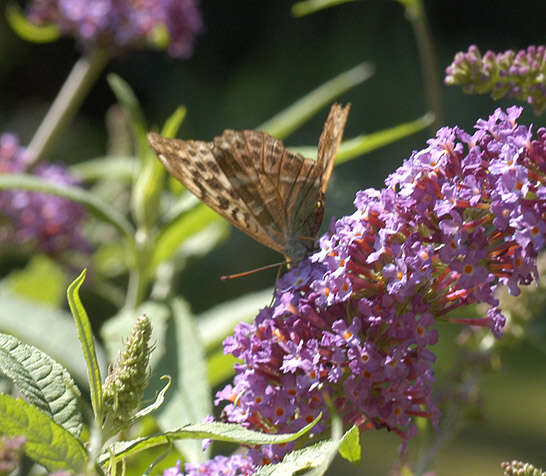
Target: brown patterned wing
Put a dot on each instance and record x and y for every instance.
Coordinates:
(207, 172)
(288, 184)
(251, 179)
(329, 141)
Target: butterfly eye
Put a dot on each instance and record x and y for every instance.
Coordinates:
(319, 204)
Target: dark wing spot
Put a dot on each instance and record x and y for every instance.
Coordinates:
(223, 202)
(202, 190)
(213, 166)
(214, 183)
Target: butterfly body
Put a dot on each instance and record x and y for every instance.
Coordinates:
(251, 179)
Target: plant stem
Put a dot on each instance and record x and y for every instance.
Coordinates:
(68, 100)
(416, 15)
(139, 272)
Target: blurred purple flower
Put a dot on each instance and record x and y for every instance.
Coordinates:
(235, 465)
(520, 75)
(46, 221)
(11, 452)
(123, 24)
(353, 324)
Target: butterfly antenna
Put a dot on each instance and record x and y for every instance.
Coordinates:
(252, 271)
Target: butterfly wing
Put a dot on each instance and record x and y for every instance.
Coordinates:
(329, 141)
(288, 184)
(252, 180)
(207, 172)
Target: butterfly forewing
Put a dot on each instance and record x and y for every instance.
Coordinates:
(251, 179)
(329, 141)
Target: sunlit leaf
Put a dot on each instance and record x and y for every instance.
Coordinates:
(218, 322)
(44, 327)
(189, 399)
(227, 432)
(350, 446)
(288, 120)
(27, 30)
(173, 123)
(46, 442)
(85, 335)
(300, 9)
(42, 280)
(111, 167)
(180, 229)
(220, 367)
(365, 143)
(43, 382)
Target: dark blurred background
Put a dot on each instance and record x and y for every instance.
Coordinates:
(255, 59)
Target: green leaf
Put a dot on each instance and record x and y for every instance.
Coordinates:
(220, 367)
(41, 280)
(28, 31)
(350, 446)
(146, 192)
(227, 432)
(109, 167)
(85, 335)
(365, 143)
(307, 458)
(94, 205)
(189, 401)
(285, 122)
(314, 459)
(44, 327)
(217, 323)
(44, 382)
(126, 97)
(179, 230)
(47, 443)
(300, 9)
(149, 180)
(173, 123)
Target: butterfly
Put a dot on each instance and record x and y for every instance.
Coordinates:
(252, 180)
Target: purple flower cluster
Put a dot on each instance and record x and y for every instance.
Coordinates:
(123, 24)
(235, 465)
(36, 219)
(520, 75)
(353, 324)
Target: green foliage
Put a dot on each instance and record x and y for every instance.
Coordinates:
(44, 327)
(366, 143)
(350, 446)
(314, 459)
(28, 31)
(287, 121)
(189, 401)
(300, 9)
(44, 383)
(91, 202)
(88, 344)
(227, 432)
(41, 280)
(47, 442)
(183, 227)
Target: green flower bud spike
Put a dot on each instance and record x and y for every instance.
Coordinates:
(124, 386)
